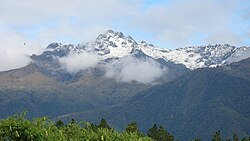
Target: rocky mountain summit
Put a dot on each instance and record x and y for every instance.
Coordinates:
(113, 45)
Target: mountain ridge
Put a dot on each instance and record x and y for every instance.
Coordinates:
(115, 45)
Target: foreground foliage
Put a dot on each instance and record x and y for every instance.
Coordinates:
(19, 128)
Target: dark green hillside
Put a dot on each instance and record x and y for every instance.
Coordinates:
(40, 103)
(239, 69)
(29, 88)
(195, 105)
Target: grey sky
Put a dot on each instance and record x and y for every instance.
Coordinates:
(166, 23)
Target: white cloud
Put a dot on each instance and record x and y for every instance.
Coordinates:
(70, 33)
(130, 69)
(15, 50)
(63, 21)
(225, 37)
(126, 69)
(179, 22)
(75, 62)
(12, 59)
(174, 22)
(36, 11)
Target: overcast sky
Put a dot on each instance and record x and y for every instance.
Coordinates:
(166, 23)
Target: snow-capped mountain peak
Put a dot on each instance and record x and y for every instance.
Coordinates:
(112, 44)
(201, 56)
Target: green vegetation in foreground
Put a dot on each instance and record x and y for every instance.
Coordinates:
(19, 128)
